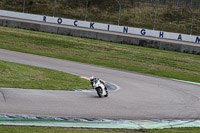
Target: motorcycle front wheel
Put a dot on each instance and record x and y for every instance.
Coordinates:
(99, 91)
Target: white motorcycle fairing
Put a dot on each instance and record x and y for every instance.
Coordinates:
(100, 87)
(99, 84)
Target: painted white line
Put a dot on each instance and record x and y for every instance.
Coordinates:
(52, 121)
(189, 82)
(118, 88)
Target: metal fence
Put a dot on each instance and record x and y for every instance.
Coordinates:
(52, 8)
(178, 3)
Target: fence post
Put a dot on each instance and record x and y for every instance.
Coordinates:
(199, 6)
(155, 4)
(190, 7)
(178, 3)
(24, 5)
(54, 8)
(119, 11)
(86, 10)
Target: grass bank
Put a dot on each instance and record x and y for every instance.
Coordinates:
(121, 56)
(15, 129)
(14, 75)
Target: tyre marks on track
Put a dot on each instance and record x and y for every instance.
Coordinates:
(2, 96)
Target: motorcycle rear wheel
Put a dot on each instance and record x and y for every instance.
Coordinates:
(106, 94)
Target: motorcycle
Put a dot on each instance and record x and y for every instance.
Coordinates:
(100, 87)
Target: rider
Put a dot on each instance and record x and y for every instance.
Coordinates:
(93, 79)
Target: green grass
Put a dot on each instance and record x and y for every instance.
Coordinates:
(121, 56)
(14, 75)
(17, 129)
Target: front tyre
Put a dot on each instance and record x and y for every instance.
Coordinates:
(99, 91)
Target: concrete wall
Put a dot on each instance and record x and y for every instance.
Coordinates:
(102, 26)
(94, 34)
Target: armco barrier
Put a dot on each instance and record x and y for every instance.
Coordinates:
(1, 22)
(101, 35)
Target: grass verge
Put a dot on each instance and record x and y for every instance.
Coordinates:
(14, 75)
(19, 129)
(126, 57)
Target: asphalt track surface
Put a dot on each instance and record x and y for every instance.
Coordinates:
(140, 96)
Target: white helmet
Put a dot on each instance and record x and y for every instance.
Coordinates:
(92, 78)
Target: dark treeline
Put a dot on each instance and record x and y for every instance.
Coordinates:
(178, 3)
(16, 5)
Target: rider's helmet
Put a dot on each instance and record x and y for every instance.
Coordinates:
(91, 78)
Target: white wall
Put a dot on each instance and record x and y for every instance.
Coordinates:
(101, 26)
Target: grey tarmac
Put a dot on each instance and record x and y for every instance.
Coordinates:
(140, 97)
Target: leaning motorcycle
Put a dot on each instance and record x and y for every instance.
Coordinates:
(100, 87)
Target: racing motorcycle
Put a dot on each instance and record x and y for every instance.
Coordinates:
(99, 86)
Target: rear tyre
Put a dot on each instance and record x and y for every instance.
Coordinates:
(106, 94)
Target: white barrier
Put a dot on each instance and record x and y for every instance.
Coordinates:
(101, 26)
